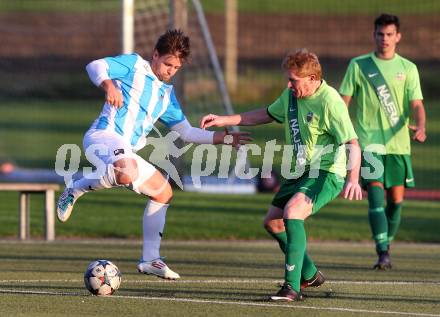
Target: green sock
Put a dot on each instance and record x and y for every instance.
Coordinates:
(393, 212)
(281, 238)
(308, 269)
(377, 217)
(295, 250)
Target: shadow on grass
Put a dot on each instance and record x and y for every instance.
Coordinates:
(364, 296)
(222, 293)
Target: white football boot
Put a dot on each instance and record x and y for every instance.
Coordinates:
(65, 204)
(157, 267)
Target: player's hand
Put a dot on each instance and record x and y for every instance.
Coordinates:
(112, 95)
(236, 139)
(114, 98)
(212, 120)
(352, 190)
(419, 133)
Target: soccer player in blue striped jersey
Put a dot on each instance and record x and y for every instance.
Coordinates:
(138, 94)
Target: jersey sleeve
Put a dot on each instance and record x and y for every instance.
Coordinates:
(413, 89)
(121, 65)
(277, 110)
(339, 122)
(348, 85)
(173, 114)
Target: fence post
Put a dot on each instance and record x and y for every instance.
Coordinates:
(231, 30)
(127, 26)
(24, 216)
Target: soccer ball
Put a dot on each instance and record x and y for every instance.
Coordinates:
(102, 278)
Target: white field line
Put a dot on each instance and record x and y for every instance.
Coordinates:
(250, 304)
(137, 242)
(229, 281)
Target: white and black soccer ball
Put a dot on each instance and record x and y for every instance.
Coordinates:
(102, 278)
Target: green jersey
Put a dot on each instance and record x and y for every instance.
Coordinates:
(373, 120)
(321, 124)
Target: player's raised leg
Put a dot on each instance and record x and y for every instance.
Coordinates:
(81, 186)
(115, 166)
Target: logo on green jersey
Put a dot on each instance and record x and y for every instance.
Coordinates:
(295, 132)
(400, 76)
(388, 104)
(309, 117)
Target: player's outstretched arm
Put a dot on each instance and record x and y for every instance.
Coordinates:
(192, 134)
(352, 189)
(255, 117)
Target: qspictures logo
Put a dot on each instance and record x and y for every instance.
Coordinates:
(207, 159)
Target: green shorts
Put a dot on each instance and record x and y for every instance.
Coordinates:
(320, 190)
(397, 170)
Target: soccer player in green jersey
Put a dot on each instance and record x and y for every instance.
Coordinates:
(317, 127)
(386, 89)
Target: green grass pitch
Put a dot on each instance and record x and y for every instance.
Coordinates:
(218, 279)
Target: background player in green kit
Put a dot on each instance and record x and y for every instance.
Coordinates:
(386, 89)
(317, 125)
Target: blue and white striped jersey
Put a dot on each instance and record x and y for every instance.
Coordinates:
(146, 99)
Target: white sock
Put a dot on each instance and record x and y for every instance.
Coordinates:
(85, 184)
(153, 224)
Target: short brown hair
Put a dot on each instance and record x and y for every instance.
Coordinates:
(174, 42)
(304, 63)
(386, 19)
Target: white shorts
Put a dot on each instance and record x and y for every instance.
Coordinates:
(107, 147)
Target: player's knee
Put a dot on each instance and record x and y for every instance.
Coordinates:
(377, 184)
(273, 225)
(297, 212)
(266, 225)
(396, 201)
(298, 207)
(164, 195)
(123, 179)
(126, 171)
(395, 196)
(291, 213)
